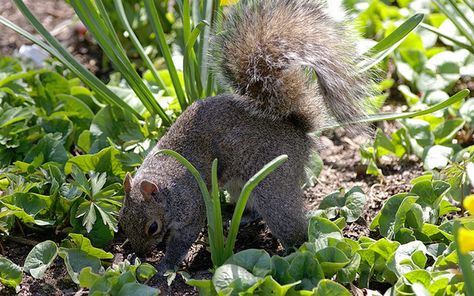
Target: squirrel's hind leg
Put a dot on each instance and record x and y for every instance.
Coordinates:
(281, 206)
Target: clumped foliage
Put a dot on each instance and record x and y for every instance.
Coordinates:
(67, 140)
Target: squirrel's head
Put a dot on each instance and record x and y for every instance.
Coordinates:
(142, 217)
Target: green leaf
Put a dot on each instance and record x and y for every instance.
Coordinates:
(437, 157)
(10, 273)
(233, 276)
(86, 210)
(80, 242)
(268, 286)
(391, 42)
(76, 260)
(446, 131)
(441, 72)
(349, 272)
(87, 278)
(382, 144)
(313, 169)
(255, 261)
(321, 228)
(405, 235)
(305, 268)
(145, 271)
(51, 147)
(408, 257)
(105, 160)
(394, 213)
(351, 204)
(136, 289)
(415, 217)
(430, 193)
(328, 287)
(204, 287)
(420, 134)
(40, 258)
(331, 260)
(446, 208)
(29, 207)
(126, 128)
(435, 234)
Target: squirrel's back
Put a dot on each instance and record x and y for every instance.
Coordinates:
(267, 51)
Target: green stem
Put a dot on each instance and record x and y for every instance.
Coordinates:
(454, 40)
(244, 196)
(218, 247)
(165, 50)
(455, 21)
(138, 46)
(392, 116)
(56, 50)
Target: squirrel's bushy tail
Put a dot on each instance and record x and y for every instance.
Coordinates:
(269, 50)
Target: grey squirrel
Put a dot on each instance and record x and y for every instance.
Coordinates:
(267, 53)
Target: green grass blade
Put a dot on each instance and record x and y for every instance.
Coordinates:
(91, 19)
(387, 45)
(95, 17)
(214, 225)
(399, 34)
(21, 75)
(454, 40)
(59, 52)
(392, 116)
(192, 79)
(469, 4)
(207, 16)
(244, 196)
(141, 51)
(463, 16)
(455, 21)
(165, 50)
(217, 216)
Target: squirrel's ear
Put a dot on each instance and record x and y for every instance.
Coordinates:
(147, 188)
(127, 183)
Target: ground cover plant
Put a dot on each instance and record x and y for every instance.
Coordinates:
(63, 162)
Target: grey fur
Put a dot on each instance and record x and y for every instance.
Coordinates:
(260, 49)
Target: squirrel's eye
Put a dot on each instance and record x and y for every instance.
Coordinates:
(153, 228)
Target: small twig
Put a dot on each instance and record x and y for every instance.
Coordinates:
(21, 240)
